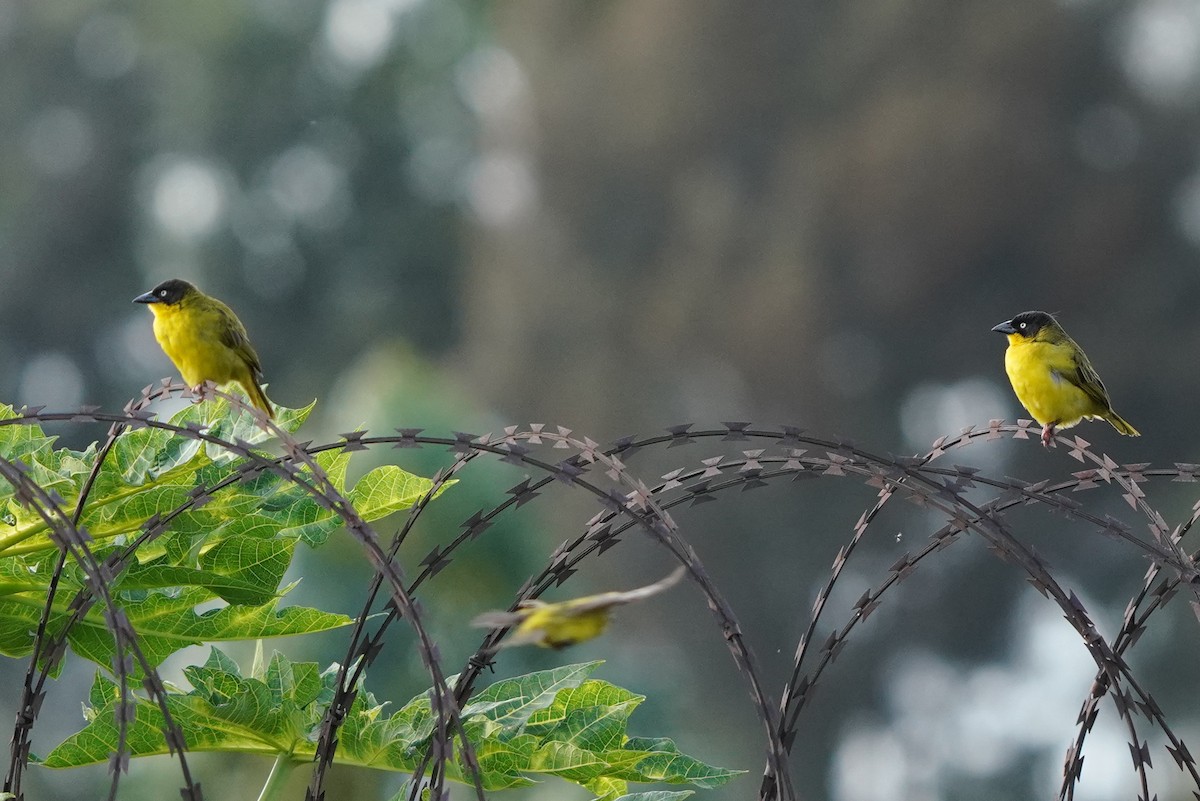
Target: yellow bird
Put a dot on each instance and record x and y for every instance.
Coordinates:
(205, 339)
(1052, 376)
(564, 623)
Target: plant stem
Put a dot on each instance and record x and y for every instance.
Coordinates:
(277, 778)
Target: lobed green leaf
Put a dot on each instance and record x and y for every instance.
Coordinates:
(230, 546)
(538, 724)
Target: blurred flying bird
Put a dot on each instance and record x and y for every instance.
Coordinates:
(557, 625)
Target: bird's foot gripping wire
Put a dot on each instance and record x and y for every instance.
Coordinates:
(202, 391)
(1047, 435)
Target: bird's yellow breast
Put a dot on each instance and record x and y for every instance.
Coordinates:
(1038, 373)
(191, 338)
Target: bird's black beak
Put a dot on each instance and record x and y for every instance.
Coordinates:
(1005, 327)
(146, 297)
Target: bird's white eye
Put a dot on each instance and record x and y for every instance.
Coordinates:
(1022, 325)
(162, 293)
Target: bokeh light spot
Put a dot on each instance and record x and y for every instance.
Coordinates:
(59, 141)
(187, 198)
(502, 189)
(307, 186)
(1107, 137)
(51, 379)
(933, 409)
(358, 32)
(1161, 48)
(106, 47)
(490, 80)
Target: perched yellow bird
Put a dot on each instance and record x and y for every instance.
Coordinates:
(1052, 376)
(564, 623)
(205, 339)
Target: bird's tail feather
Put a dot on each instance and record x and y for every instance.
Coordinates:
(260, 401)
(1121, 425)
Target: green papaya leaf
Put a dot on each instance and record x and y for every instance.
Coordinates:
(226, 536)
(520, 728)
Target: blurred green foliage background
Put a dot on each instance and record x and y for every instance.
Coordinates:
(618, 216)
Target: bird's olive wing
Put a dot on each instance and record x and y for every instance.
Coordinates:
(590, 603)
(1087, 379)
(497, 620)
(577, 607)
(233, 335)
